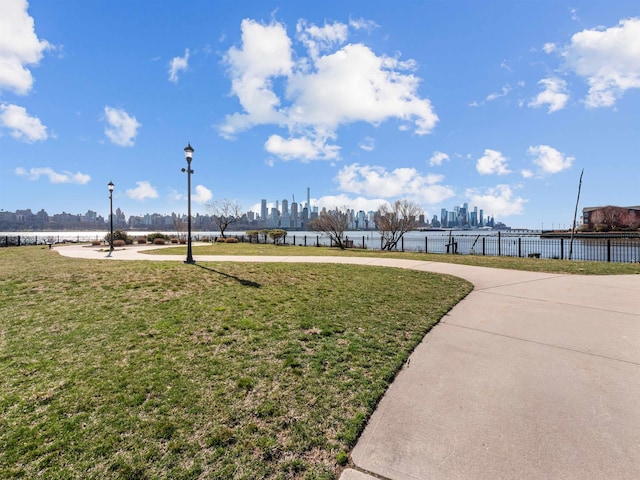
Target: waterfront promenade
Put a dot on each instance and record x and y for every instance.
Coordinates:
(532, 375)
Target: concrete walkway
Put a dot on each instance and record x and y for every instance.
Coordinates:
(532, 376)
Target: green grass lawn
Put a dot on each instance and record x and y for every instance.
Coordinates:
(514, 263)
(216, 370)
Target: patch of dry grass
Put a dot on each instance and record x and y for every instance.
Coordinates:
(167, 370)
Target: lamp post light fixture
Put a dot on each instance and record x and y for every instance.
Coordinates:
(111, 187)
(188, 153)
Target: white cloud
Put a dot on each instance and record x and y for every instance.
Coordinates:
(202, 195)
(122, 128)
(437, 158)
(302, 148)
(493, 162)
(554, 94)
(506, 66)
(321, 92)
(265, 54)
(401, 182)
(178, 64)
(354, 84)
(362, 24)
(356, 203)
(22, 126)
(368, 144)
(54, 177)
(19, 46)
(549, 159)
(317, 39)
(549, 47)
(609, 60)
(143, 191)
(526, 173)
(494, 96)
(499, 201)
(574, 14)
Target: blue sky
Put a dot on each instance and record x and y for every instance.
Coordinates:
(499, 104)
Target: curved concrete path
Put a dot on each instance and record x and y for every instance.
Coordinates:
(532, 376)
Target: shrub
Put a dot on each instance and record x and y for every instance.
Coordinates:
(231, 240)
(220, 240)
(152, 236)
(142, 240)
(117, 235)
(205, 239)
(95, 243)
(119, 243)
(159, 241)
(278, 235)
(174, 240)
(183, 241)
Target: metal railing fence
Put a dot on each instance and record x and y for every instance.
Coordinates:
(602, 249)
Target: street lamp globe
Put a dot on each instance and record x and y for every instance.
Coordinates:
(188, 151)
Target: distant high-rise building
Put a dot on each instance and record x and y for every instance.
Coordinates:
(263, 210)
(308, 198)
(273, 219)
(294, 215)
(444, 217)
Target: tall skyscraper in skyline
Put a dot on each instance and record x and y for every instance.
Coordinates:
(263, 209)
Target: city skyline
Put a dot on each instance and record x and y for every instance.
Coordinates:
(278, 215)
(499, 105)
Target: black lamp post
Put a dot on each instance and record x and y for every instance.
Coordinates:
(188, 153)
(111, 187)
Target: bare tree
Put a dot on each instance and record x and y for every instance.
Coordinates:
(607, 217)
(334, 223)
(630, 218)
(225, 213)
(394, 220)
(180, 227)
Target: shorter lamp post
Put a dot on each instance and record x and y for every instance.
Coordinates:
(111, 187)
(188, 153)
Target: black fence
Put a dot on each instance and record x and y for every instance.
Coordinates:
(23, 240)
(603, 249)
(624, 250)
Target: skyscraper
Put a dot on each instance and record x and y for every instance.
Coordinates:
(294, 215)
(263, 209)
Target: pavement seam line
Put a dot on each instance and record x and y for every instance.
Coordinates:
(485, 290)
(533, 280)
(543, 344)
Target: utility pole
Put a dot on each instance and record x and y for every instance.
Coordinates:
(575, 214)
